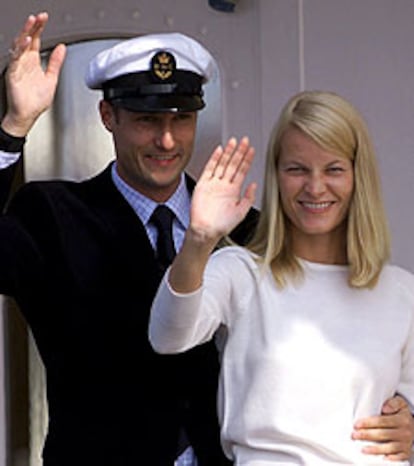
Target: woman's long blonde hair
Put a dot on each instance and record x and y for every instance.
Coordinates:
(334, 124)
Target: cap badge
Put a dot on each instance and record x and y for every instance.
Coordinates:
(163, 65)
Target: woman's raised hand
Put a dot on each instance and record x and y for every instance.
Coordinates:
(219, 202)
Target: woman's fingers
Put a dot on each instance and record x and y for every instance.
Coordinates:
(231, 160)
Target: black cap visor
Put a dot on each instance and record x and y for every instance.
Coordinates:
(140, 92)
(160, 103)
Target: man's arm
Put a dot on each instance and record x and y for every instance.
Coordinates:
(30, 90)
(393, 431)
(10, 151)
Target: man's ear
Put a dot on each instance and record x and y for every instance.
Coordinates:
(107, 114)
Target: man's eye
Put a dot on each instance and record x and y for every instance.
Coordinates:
(182, 116)
(146, 119)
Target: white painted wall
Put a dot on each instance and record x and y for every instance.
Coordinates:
(268, 50)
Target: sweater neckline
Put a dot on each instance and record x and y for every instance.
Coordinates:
(321, 267)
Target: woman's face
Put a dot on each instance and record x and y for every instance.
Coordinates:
(316, 188)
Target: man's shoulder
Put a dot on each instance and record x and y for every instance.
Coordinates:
(55, 192)
(100, 179)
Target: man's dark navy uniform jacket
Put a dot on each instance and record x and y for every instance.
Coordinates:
(79, 263)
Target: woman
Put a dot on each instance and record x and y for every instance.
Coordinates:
(317, 329)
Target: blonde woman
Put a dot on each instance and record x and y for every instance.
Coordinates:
(317, 328)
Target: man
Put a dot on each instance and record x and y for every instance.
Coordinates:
(80, 258)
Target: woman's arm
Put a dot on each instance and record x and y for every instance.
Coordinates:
(217, 206)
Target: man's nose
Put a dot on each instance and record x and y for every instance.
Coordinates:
(165, 138)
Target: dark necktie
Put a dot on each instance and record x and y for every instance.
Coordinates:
(162, 218)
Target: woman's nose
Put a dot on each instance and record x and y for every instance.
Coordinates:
(315, 184)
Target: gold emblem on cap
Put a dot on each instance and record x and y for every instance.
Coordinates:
(163, 65)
